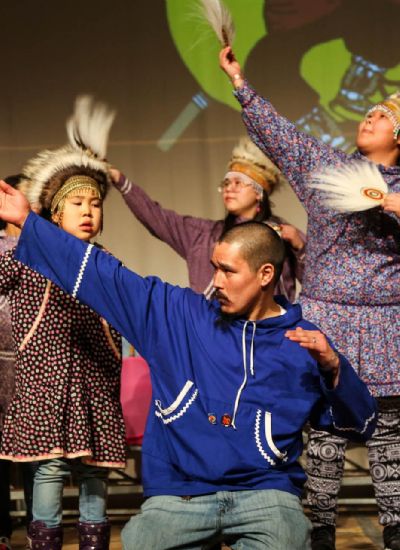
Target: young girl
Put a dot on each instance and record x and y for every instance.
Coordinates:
(8, 239)
(351, 289)
(250, 180)
(66, 411)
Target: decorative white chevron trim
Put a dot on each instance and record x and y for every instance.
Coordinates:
(258, 439)
(180, 413)
(352, 429)
(82, 270)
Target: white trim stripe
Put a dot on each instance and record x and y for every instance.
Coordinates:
(126, 187)
(209, 290)
(107, 332)
(268, 436)
(258, 440)
(7, 355)
(180, 413)
(39, 317)
(352, 429)
(177, 402)
(82, 270)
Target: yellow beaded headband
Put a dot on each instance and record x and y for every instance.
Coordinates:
(72, 184)
(251, 172)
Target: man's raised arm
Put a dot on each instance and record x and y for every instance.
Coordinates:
(129, 302)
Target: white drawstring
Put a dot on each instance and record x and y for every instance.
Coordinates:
(243, 384)
(208, 292)
(252, 350)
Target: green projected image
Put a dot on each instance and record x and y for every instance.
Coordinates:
(312, 60)
(199, 47)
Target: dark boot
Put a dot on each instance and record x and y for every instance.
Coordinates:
(323, 538)
(94, 536)
(391, 537)
(41, 537)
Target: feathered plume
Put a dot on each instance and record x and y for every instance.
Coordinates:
(352, 187)
(220, 20)
(88, 130)
(89, 126)
(247, 152)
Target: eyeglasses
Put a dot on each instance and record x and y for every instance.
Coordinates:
(235, 185)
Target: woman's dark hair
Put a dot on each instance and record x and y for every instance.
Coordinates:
(13, 181)
(264, 213)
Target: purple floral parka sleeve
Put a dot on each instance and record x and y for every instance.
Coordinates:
(294, 152)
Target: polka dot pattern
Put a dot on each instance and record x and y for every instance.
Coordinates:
(6, 343)
(66, 400)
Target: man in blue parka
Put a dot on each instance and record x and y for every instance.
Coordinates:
(234, 381)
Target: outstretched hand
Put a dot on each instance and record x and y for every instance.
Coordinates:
(318, 347)
(14, 206)
(231, 67)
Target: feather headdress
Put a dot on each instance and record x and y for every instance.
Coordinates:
(219, 18)
(89, 126)
(88, 130)
(249, 159)
(352, 187)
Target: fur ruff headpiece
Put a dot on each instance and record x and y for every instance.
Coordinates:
(391, 108)
(85, 155)
(250, 160)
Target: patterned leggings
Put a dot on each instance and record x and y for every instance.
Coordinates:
(325, 465)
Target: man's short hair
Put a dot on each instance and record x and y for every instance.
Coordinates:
(259, 245)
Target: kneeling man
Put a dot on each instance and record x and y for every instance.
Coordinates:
(234, 381)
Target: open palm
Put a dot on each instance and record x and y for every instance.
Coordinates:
(14, 207)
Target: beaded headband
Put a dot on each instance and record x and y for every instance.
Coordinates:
(251, 172)
(248, 159)
(246, 179)
(391, 108)
(72, 184)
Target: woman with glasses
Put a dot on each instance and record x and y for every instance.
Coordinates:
(250, 180)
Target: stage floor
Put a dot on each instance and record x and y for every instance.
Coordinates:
(355, 532)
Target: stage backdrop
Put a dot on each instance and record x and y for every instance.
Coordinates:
(321, 63)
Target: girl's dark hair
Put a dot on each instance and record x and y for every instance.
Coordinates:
(13, 181)
(264, 213)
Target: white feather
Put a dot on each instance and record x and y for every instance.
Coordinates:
(89, 126)
(351, 187)
(220, 20)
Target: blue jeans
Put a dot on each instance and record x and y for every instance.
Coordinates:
(48, 489)
(248, 520)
